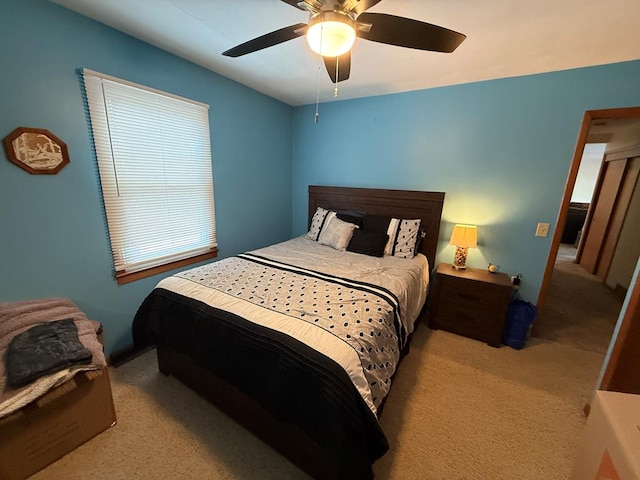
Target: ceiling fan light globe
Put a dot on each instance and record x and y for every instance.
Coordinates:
(331, 38)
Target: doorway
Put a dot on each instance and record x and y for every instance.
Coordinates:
(631, 319)
(591, 118)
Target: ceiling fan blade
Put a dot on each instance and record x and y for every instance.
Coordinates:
(267, 40)
(306, 5)
(406, 32)
(362, 5)
(293, 3)
(344, 66)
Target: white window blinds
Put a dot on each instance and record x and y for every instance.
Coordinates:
(154, 159)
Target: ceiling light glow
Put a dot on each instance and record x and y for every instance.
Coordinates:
(331, 34)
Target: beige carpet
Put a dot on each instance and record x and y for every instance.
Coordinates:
(580, 310)
(458, 409)
(462, 410)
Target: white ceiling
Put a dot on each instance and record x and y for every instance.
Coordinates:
(505, 38)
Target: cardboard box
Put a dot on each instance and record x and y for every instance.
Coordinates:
(63, 419)
(610, 448)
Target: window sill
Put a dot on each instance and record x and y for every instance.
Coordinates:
(124, 277)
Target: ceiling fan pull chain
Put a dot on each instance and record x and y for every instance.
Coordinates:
(320, 60)
(335, 89)
(317, 114)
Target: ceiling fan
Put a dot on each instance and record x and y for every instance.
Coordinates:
(334, 24)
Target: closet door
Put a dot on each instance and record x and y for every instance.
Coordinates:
(604, 204)
(618, 217)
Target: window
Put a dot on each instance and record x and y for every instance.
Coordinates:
(154, 160)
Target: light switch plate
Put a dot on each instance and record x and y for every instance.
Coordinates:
(542, 230)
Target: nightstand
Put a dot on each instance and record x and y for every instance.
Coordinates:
(470, 302)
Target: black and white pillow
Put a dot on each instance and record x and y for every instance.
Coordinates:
(404, 235)
(321, 217)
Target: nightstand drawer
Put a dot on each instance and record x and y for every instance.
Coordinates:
(479, 324)
(469, 292)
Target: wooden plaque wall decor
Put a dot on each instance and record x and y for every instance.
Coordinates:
(36, 150)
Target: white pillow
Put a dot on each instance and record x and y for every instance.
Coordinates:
(337, 233)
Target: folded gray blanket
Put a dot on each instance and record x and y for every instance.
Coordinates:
(44, 349)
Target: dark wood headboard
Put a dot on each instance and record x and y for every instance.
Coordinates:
(395, 203)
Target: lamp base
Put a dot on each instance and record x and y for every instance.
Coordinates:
(460, 258)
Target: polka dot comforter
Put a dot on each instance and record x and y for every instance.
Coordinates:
(356, 309)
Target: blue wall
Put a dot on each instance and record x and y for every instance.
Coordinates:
(501, 150)
(53, 239)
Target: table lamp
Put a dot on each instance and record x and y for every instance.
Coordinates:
(463, 237)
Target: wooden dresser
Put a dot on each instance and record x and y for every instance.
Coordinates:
(470, 302)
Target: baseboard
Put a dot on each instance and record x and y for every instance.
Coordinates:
(126, 354)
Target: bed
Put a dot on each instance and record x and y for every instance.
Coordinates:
(299, 341)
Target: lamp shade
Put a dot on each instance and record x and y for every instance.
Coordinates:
(331, 34)
(465, 236)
